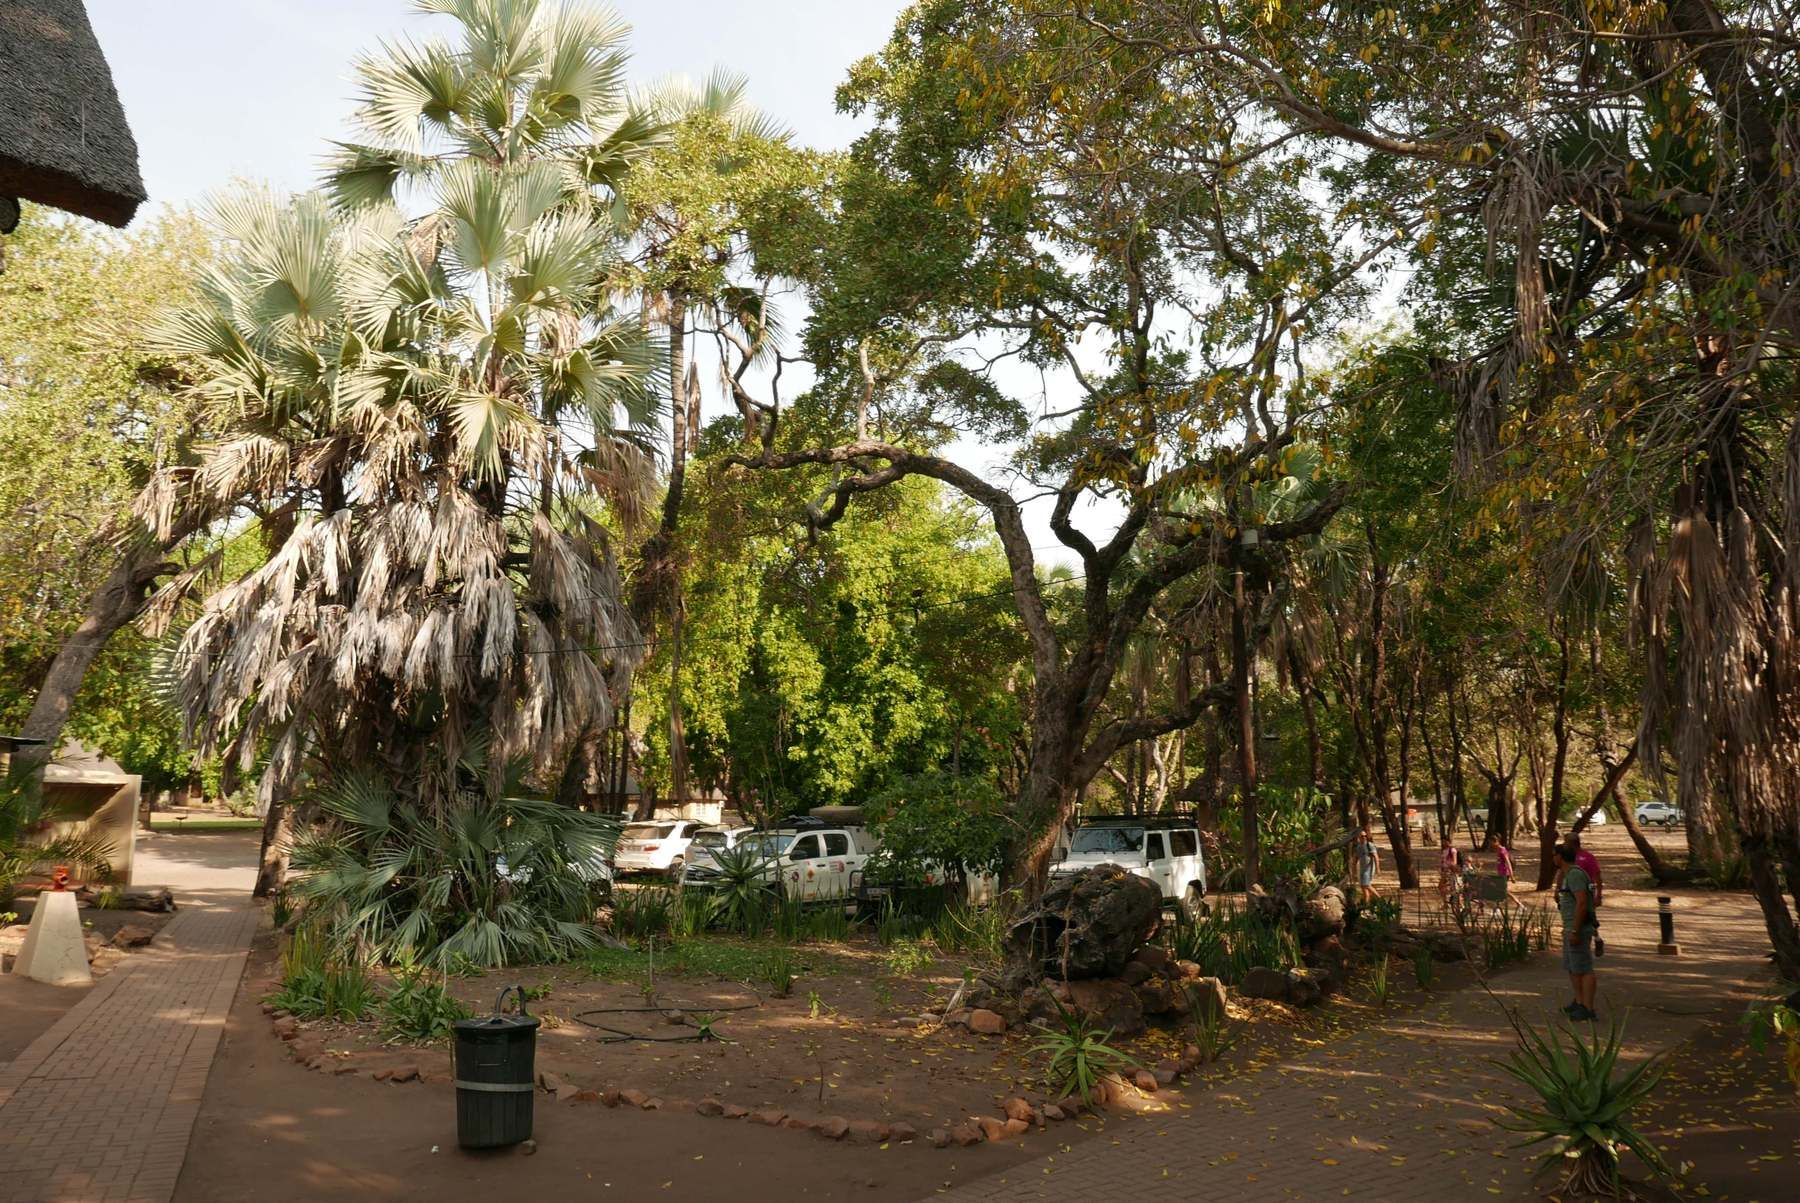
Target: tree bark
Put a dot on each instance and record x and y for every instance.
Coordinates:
(277, 839)
(1246, 724)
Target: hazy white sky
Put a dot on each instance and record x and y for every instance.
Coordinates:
(220, 89)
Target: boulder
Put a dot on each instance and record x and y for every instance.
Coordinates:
(1323, 914)
(966, 1134)
(1187, 971)
(1262, 982)
(868, 1131)
(1157, 996)
(902, 1133)
(986, 1023)
(834, 1128)
(1018, 1108)
(1307, 987)
(733, 1111)
(939, 1138)
(633, 1098)
(1110, 1003)
(991, 1128)
(1136, 973)
(1086, 925)
(709, 1107)
(133, 935)
(1206, 995)
(1155, 956)
(1145, 1081)
(1014, 1127)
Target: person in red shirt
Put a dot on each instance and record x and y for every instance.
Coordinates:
(1588, 863)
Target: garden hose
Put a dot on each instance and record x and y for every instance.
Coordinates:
(612, 1035)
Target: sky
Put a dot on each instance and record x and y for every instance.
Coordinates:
(219, 91)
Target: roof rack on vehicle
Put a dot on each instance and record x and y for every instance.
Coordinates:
(1136, 821)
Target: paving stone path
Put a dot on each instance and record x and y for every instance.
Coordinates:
(100, 1107)
(1403, 1110)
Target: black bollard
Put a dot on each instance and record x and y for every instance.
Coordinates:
(1665, 915)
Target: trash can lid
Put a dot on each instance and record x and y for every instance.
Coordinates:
(497, 1023)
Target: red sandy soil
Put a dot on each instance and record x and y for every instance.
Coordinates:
(272, 1130)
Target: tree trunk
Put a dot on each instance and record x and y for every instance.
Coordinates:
(1765, 883)
(118, 600)
(277, 838)
(1246, 722)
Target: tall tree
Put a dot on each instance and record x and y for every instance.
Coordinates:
(988, 218)
(427, 418)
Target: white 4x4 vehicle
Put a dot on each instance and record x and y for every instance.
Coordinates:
(1658, 813)
(1164, 852)
(813, 862)
(654, 847)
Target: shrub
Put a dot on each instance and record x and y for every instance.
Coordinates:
(777, 972)
(1381, 986)
(1213, 1035)
(743, 888)
(419, 1010)
(1424, 967)
(972, 930)
(909, 957)
(1079, 1053)
(639, 914)
(1227, 942)
(1582, 1106)
(491, 874)
(318, 985)
(1779, 1020)
(828, 923)
(691, 913)
(788, 917)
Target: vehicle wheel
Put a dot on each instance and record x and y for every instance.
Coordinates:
(1193, 902)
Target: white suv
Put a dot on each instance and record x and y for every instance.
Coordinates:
(1163, 852)
(654, 847)
(1658, 813)
(709, 840)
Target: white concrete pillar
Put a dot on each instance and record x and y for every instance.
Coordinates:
(54, 951)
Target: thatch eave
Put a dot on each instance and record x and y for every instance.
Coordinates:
(64, 141)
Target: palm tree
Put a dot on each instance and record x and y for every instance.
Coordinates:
(433, 420)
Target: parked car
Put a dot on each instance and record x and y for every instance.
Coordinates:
(654, 847)
(709, 840)
(1598, 819)
(1657, 812)
(1165, 852)
(812, 861)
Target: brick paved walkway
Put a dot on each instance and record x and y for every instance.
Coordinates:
(1401, 1111)
(100, 1107)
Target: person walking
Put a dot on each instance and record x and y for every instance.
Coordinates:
(1446, 870)
(1575, 902)
(1367, 859)
(1503, 866)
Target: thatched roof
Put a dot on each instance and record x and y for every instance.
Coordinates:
(63, 137)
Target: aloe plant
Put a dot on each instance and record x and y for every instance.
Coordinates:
(1583, 1106)
(1080, 1053)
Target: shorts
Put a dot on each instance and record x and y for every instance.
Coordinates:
(1578, 958)
(1365, 877)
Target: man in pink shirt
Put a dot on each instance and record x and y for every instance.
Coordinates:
(1588, 863)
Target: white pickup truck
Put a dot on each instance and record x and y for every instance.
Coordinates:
(1165, 852)
(813, 861)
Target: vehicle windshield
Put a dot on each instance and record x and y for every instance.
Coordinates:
(769, 846)
(647, 831)
(1092, 840)
(711, 839)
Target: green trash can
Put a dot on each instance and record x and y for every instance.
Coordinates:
(495, 1076)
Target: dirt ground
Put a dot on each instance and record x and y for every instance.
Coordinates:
(275, 1131)
(1728, 1111)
